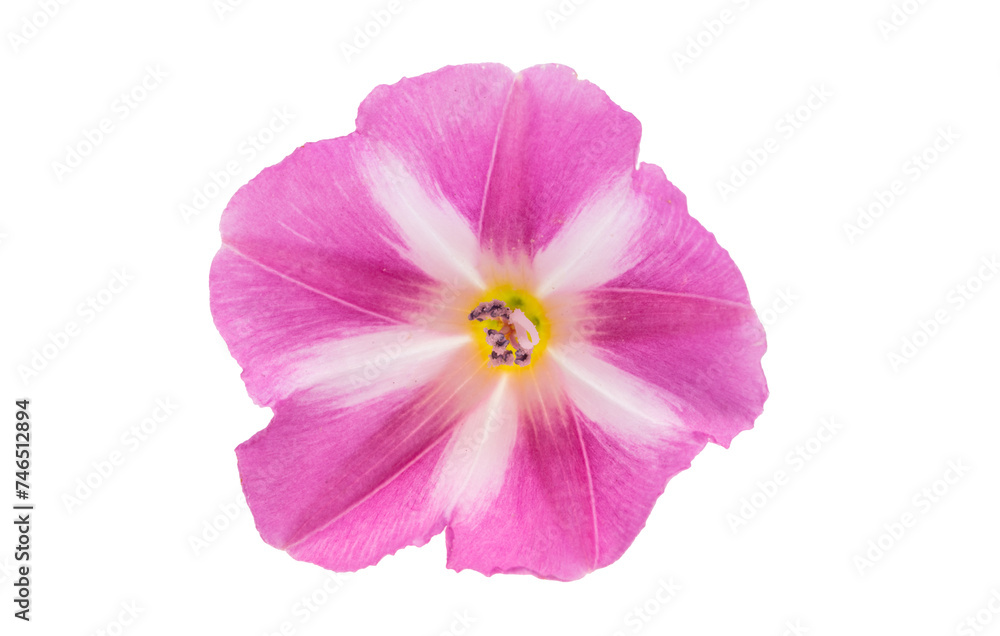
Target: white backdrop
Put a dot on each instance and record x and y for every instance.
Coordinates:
(844, 153)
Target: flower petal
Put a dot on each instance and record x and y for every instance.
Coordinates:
(661, 300)
(635, 443)
(354, 234)
(704, 352)
(443, 125)
(540, 520)
(636, 233)
(473, 466)
(582, 476)
(316, 221)
(560, 141)
(595, 245)
(277, 330)
(342, 483)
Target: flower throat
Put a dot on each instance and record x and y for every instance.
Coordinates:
(514, 341)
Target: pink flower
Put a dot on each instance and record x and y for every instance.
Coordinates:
(538, 439)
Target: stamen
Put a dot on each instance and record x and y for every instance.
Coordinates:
(501, 359)
(495, 309)
(496, 339)
(516, 330)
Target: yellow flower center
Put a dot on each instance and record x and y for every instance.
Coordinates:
(501, 329)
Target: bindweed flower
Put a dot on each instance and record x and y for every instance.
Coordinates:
(477, 315)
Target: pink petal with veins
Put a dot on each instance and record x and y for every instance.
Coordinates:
(560, 140)
(342, 482)
(594, 449)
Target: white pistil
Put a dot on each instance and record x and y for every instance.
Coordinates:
(525, 332)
